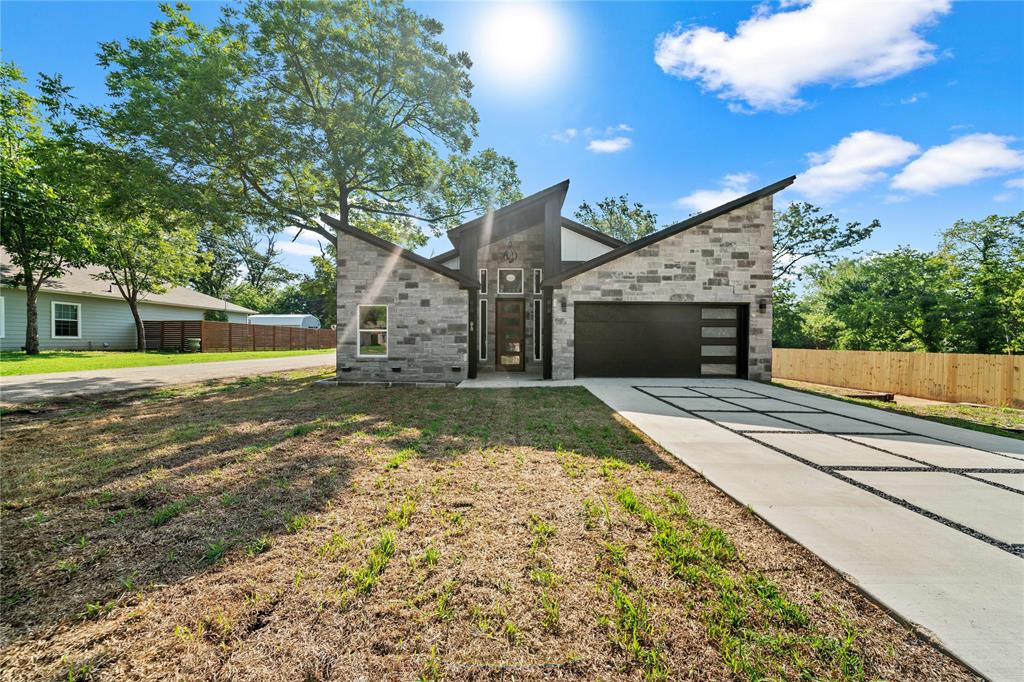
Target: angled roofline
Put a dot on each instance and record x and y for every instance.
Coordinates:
(562, 187)
(669, 231)
(442, 257)
(591, 233)
(385, 245)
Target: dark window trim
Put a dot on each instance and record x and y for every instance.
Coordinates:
(538, 328)
(481, 324)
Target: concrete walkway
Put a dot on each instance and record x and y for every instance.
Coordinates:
(926, 518)
(30, 388)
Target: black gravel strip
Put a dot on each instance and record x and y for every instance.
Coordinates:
(1016, 550)
(901, 431)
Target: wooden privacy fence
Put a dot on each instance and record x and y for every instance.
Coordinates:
(216, 337)
(953, 377)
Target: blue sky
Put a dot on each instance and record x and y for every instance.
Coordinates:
(909, 112)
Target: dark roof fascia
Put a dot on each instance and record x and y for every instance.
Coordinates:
(591, 233)
(669, 231)
(442, 257)
(385, 245)
(525, 202)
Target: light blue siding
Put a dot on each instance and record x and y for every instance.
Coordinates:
(101, 321)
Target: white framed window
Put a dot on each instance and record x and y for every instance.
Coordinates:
(538, 326)
(510, 281)
(538, 277)
(3, 318)
(483, 280)
(65, 320)
(372, 341)
(481, 325)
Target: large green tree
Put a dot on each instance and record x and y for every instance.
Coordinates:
(45, 219)
(986, 256)
(293, 108)
(802, 233)
(142, 255)
(897, 301)
(218, 253)
(616, 217)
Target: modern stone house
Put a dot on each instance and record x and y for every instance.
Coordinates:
(527, 290)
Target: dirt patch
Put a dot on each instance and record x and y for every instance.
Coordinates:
(274, 530)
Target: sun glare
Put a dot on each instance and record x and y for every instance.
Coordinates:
(521, 46)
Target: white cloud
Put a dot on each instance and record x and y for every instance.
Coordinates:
(774, 54)
(854, 162)
(914, 99)
(1011, 186)
(621, 128)
(299, 248)
(612, 145)
(960, 162)
(733, 186)
(564, 135)
(612, 141)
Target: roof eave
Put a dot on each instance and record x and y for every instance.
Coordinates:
(669, 231)
(525, 202)
(591, 233)
(385, 245)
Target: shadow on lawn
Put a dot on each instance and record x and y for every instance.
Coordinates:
(104, 499)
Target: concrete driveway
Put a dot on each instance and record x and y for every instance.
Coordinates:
(32, 388)
(926, 518)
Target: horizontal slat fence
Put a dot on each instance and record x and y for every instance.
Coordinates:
(218, 337)
(952, 377)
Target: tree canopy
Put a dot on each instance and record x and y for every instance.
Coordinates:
(803, 232)
(964, 297)
(294, 108)
(45, 222)
(616, 217)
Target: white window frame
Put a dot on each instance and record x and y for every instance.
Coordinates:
(537, 281)
(3, 318)
(53, 319)
(538, 329)
(483, 280)
(386, 330)
(522, 283)
(483, 325)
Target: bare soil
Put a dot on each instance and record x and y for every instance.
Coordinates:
(268, 529)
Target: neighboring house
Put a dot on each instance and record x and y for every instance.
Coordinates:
(527, 290)
(80, 312)
(291, 320)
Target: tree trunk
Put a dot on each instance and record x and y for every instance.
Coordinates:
(140, 329)
(31, 320)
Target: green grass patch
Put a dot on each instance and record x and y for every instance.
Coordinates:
(169, 511)
(540, 532)
(400, 458)
(367, 576)
(16, 363)
(634, 632)
(400, 515)
(760, 633)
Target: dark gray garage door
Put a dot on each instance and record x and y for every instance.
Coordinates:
(659, 340)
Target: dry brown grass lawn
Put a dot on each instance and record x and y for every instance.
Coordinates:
(269, 529)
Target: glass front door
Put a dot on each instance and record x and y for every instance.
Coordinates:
(510, 334)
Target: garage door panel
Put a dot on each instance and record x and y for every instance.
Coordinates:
(655, 340)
